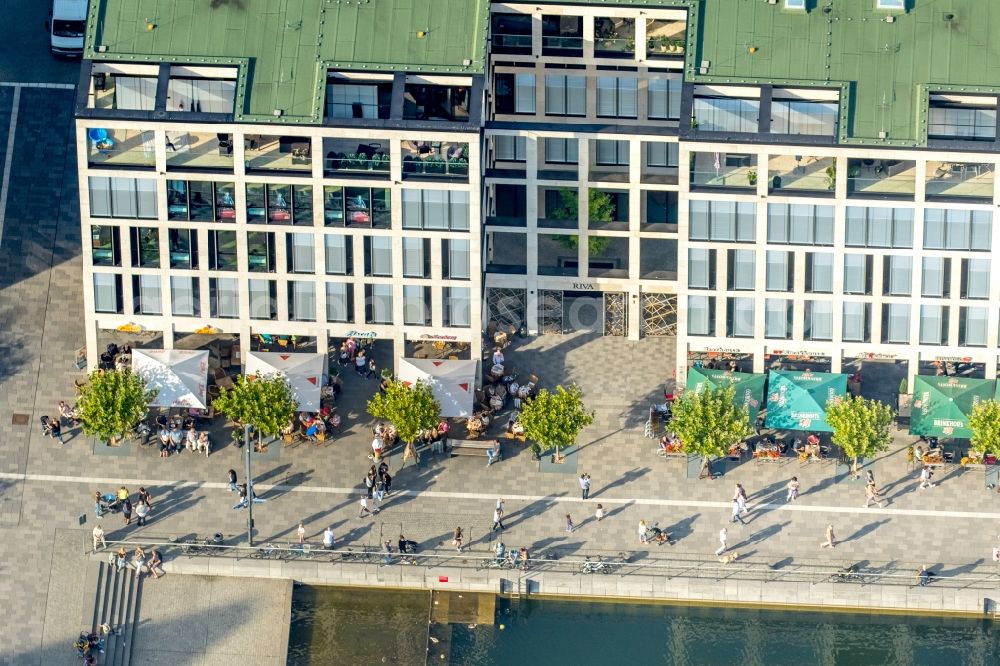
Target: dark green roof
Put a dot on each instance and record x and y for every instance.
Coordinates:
(885, 69)
(284, 47)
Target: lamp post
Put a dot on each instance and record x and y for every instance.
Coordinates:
(248, 445)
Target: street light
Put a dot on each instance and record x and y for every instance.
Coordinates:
(248, 445)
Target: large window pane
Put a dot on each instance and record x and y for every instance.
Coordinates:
(415, 259)
(820, 270)
(455, 255)
(225, 297)
(855, 274)
(739, 315)
(262, 305)
(934, 276)
(302, 301)
(778, 271)
(699, 276)
(977, 278)
(699, 315)
(457, 306)
(897, 323)
(338, 302)
(900, 272)
(184, 296)
(742, 270)
(819, 320)
(932, 324)
(972, 327)
(379, 305)
(148, 292)
(106, 292)
(303, 257)
(777, 318)
(338, 254)
(379, 256)
(416, 305)
(855, 322)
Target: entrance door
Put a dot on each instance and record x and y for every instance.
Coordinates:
(615, 313)
(550, 311)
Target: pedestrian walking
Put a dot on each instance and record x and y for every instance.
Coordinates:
(379, 489)
(141, 513)
(232, 481)
(244, 500)
(643, 532)
(585, 485)
(456, 539)
(56, 431)
(599, 514)
(370, 482)
(98, 534)
(829, 538)
(869, 477)
(793, 489)
(366, 510)
(736, 513)
(569, 523)
(497, 519)
(871, 495)
(925, 477)
(144, 496)
(301, 533)
(500, 504)
(372, 371)
(387, 552)
(723, 541)
(741, 497)
(127, 511)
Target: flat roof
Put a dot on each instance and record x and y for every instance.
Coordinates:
(285, 47)
(885, 68)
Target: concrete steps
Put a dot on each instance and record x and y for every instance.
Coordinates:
(115, 603)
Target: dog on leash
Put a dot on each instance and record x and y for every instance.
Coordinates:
(729, 558)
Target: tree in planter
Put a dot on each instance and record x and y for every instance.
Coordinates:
(860, 427)
(264, 402)
(984, 422)
(554, 419)
(600, 206)
(708, 423)
(410, 408)
(596, 245)
(113, 403)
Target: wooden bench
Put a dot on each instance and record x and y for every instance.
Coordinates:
(469, 447)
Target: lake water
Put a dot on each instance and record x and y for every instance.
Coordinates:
(359, 626)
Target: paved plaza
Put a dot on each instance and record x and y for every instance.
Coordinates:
(45, 490)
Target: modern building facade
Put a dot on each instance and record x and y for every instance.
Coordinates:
(763, 180)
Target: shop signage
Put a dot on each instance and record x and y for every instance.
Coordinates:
(428, 336)
(720, 350)
(796, 352)
(877, 356)
(954, 359)
(584, 286)
(361, 334)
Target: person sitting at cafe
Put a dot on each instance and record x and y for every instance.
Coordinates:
(493, 453)
(203, 443)
(191, 439)
(797, 446)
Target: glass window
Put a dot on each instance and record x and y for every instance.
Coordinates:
(956, 229)
(455, 257)
(565, 95)
(224, 294)
(855, 274)
(457, 306)
(896, 319)
(778, 271)
(969, 123)
(104, 250)
(263, 297)
(145, 247)
(137, 93)
(222, 250)
(378, 256)
(339, 302)
(378, 303)
(184, 296)
(879, 227)
(701, 319)
(741, 270)
(436, 209)
(933, 324)
(611, 152)
(739, 316)
(183, 245)
(855, 322)
(725, 114)
(338, 254)
(972, 327)
(355, 100)
(561, 151)
(107, 292)
(935, 275)
(122, 197)
(819, 320)
(524, 86)
(819, 272)
(147, 292)
(260, 251)
(616, 97)
(976, 276)
(699, 268)
(416, 305)
(662, 154)
(416, 257)
(355, 206)
(510, 148)
(777, 318)
(301, 255)
(800, 224)
(803, 117)
(664, 97)
(722, 221)
(899, 270)
(301, 300)
(201, 95)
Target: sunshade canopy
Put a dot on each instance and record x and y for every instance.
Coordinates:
(452, 382)
(180, 376)
(749, 387)
(941, 405)
(304, 373)
(797, 400)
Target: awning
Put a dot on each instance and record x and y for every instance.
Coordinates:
(749, 387)
(179, 375)
(303, 371)
(797, 400)
(942, 404)
(452, 382)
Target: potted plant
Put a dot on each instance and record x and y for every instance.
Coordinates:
(904, 399)
(752, 177)
(776, 183)
(831, 177)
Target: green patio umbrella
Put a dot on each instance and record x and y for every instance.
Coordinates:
(749, 387)
(941, 405)
(797, 400)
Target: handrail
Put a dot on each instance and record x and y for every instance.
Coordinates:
(677, 566)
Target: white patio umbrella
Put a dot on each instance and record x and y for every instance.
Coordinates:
(452, 382)
(304, 373)
(179, 375)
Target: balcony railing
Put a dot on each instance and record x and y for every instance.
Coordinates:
(881, 178)
(511, 43)
(138, 156)
(562, 43)
(614, 47)
(357, 163)
(742, 177)
(436, 166)
(947, 179)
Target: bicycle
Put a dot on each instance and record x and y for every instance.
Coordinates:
(203, 547)
(267, 551)
(366, 554)
(508, 561)
(301, 551)
(599, 565)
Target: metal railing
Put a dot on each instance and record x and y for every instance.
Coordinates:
(561, 43)
(679, 566)
(511, 41)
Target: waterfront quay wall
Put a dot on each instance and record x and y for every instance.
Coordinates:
(900, 594)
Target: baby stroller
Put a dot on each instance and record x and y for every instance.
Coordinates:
(107, 503)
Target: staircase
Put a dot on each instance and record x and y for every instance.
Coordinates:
(116, 603)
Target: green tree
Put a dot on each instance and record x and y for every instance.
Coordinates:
(409, 408)
(262, 401)
(112, 403)
(708, 423)
(554, 420)
(984, 422)
(860, 427)
(600, 208)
